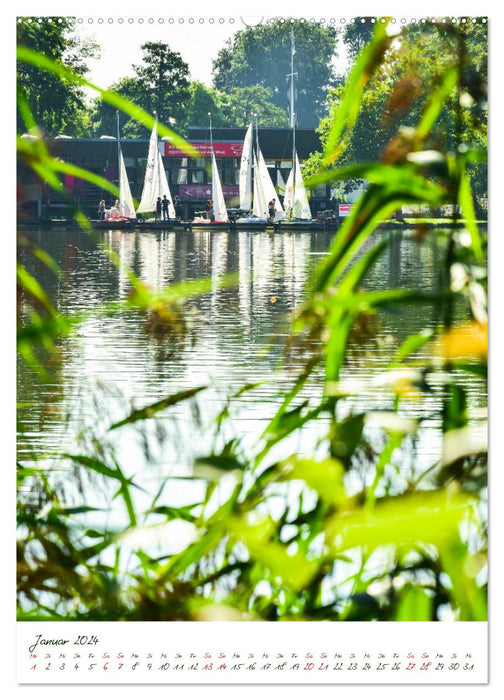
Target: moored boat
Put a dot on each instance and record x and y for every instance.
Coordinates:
(216, 217)
(257, 192)
(156, 189)
(297, 209)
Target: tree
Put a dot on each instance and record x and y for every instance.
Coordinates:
(356, 35)
(398, 92)
(163, 83)
(57, 106)
(262, 56)
(233, 108)
(104, 115)
(203, 100)
(161, 86)
(240, 103)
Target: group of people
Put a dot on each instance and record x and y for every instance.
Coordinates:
(114, 212)
(207, 215)
(162, 208)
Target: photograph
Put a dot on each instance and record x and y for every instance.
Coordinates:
(252, 347)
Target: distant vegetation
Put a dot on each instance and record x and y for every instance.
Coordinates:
(352, 536)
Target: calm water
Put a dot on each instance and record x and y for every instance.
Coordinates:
(111, 364)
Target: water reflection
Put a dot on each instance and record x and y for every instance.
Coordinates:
(113, 363)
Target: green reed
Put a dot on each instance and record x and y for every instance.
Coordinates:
(375, 551)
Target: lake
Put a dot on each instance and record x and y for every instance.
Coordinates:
(237, 335)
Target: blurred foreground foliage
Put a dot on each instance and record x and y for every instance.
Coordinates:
(342, 534)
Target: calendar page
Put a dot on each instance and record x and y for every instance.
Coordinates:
(252, 443)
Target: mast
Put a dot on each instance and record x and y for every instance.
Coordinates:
(118, 147)
(292, 97)
(218, 202)
(293, 118)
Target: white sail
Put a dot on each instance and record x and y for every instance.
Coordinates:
(267, 184)
(219, 205)
(260, 207)
(289, 194)
(155, 182)
(245, 180)
(301, 206)
(280, 183)
(126, 206)
(295, 200)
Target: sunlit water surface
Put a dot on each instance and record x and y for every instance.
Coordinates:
(113, 363)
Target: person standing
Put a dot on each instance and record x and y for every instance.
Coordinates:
(178, 208)
(165, 204)
(101, 210)
(158, 209)
(271, 209)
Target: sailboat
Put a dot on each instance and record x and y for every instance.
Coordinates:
(156, 185)
(256, 187)
(217, 216)
(122, 214)
(297, 208)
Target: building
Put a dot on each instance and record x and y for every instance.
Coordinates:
(188, 177)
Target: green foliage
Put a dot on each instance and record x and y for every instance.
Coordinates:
(353, 534)
(203, 100)
(160, 86)
(240, 102)
(233, 108)
(58, 106)
(403, 80)
(262, 56)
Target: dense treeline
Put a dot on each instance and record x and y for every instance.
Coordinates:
(394, 98)
(250, 76)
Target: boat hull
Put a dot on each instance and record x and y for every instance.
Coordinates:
(299, 226)
(169, 224)
(211, 225)
(114, 224)
(252, 224)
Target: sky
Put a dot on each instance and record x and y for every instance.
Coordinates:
(197, 39)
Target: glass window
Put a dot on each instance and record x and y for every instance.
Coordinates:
(230, 176)
(197, 176)
(179, 176)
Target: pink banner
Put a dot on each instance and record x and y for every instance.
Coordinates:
(345, 209)
(205, 191)
(224, 149)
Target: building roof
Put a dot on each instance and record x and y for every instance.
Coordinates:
(276, 143)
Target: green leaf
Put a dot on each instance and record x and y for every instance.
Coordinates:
(415, 605)
(213, 467)
(148, 411)
(294, 569)
(183, 513)
(323, 476)
(467, 206)
(45, 63)
(94, 464)
(33, 288)
(346, 116)
(403, 521)
(454, 408)
(412, 344)
(345, 436)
